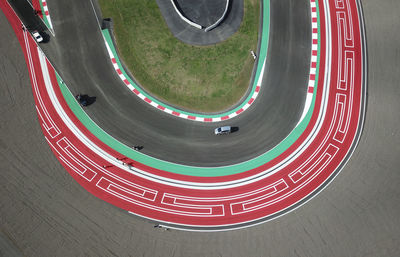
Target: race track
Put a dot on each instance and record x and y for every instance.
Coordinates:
(355, 215)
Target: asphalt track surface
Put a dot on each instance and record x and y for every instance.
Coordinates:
(357, 215)
(133, 122)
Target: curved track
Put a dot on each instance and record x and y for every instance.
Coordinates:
(169, 139)
(386, 236)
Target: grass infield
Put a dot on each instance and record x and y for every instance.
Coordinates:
(204, 79)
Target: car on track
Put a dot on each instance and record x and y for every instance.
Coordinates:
(82, 99)
(37, 36)
(223, 130)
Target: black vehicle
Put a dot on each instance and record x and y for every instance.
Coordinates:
(81, 100)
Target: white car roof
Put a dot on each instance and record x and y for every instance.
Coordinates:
(37, 36)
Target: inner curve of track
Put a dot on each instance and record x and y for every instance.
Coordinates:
(79, 55)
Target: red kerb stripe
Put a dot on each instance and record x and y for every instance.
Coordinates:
(239, 111)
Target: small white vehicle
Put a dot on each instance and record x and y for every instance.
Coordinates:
(37, 36)
(223, 130)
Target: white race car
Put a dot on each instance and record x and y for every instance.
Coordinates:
(223, 130)
(37, 36)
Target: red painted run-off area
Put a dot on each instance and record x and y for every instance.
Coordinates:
(223, 207)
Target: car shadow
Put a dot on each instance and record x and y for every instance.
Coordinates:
(85, 100)
(138, 147)
(234, 129)
(45, 36)
(91, 100)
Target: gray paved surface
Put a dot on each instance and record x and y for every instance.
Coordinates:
(44, 212)
(191, 35)
(25, 11)
(202, 12)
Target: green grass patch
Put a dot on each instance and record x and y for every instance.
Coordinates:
(205, 79)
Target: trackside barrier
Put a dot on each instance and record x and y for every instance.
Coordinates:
(184, 18)
(220, 19)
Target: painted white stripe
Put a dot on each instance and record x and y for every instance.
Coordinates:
(314, 58)
(168, 110)
(154, 104)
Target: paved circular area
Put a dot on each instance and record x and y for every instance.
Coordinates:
(202, 12)
(194, 36)
(356, 215)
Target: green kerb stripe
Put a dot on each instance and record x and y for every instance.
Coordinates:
(46, 22)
